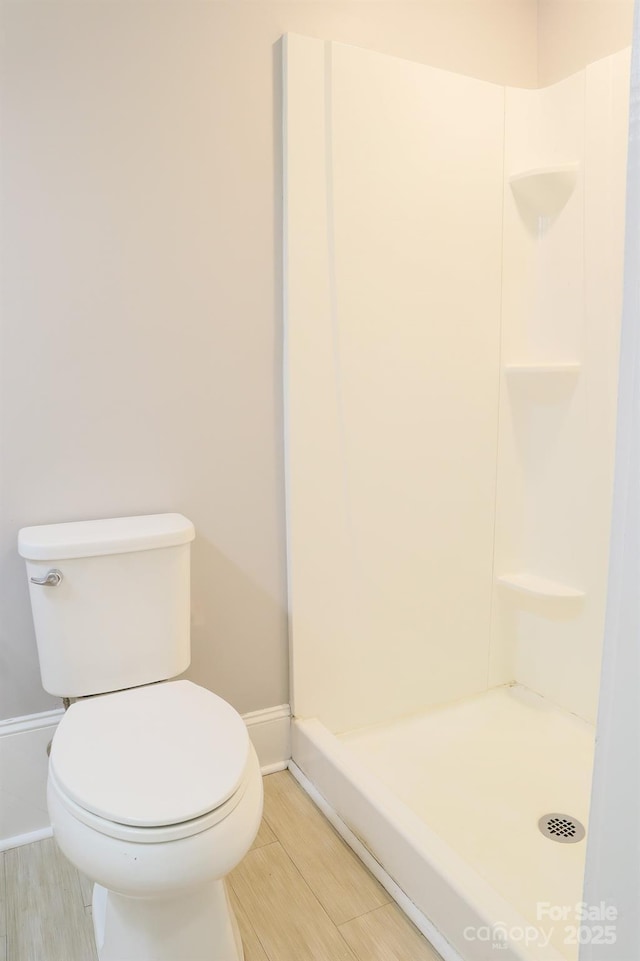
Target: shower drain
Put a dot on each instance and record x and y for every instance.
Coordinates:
(562, 828)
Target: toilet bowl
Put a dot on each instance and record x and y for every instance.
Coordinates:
(156, 795)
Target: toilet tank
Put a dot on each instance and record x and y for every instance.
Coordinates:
(119, 617)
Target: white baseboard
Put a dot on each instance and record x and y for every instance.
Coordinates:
(23, 777)
(19, 839)
(270, 733)
(23, 766)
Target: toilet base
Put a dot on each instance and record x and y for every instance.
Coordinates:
(198, 926)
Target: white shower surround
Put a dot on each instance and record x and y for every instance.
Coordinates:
(394, 611)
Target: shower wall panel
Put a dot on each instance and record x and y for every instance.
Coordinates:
(565, 150)
(394, 175)
(447, 240)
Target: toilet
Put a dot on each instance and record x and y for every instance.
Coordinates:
(154, 788)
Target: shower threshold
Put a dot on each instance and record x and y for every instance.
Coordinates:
(447, 803)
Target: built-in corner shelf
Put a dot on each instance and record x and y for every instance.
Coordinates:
(559, 369)
(544, 191)
(526, 583)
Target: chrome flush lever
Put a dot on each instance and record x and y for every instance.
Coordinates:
(50, 579)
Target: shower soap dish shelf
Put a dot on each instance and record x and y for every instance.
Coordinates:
(544, 190)
(562, 368)
(536, 586)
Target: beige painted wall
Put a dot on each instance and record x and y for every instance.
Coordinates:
(140, 365)
(574, 33)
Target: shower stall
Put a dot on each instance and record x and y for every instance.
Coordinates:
(453, 293)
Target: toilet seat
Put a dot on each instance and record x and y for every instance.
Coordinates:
(151, 759)
(162, 833)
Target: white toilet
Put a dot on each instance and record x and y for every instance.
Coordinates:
(154, 789)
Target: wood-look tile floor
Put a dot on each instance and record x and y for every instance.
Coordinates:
(300, 894)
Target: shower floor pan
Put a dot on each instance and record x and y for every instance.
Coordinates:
(448, 804)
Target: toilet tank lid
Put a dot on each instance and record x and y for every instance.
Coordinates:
(114, 535)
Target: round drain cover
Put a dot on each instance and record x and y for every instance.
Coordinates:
(562, 828)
